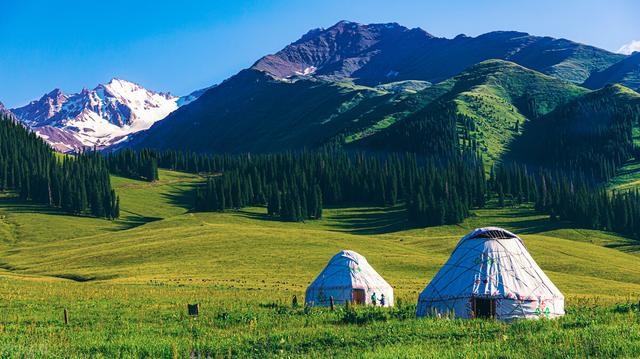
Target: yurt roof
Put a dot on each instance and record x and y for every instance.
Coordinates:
(490, 233)
(349, 268)
(491, 262)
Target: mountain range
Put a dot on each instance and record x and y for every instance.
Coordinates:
(97, 118)
(376, 86)
(381, 53)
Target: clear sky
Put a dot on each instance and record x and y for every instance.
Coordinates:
(183, 45)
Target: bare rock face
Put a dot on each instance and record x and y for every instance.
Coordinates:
(344, 50)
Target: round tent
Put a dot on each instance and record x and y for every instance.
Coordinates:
(490, 274)
(348, 278)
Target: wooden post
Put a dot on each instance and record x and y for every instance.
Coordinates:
(333, 304)
(66, 316)
(193, 309)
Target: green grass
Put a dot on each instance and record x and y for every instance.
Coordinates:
(496, 95)
(375, 127)
(126, 283)
(409, 86)
(628, 177)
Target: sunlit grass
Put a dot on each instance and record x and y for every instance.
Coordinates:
(130, 281)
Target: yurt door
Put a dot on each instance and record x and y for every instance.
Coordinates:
(358, 296)
(484, 307)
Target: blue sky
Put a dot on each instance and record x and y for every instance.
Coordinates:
(180, 46)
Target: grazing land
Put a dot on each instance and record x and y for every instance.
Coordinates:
(126, 283)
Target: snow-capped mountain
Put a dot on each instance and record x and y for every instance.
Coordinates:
(98, 118)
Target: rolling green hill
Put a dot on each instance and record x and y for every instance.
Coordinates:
(489, 103)
(126, 282)
(501, 109)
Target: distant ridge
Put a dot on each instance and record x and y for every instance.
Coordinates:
(380, 53)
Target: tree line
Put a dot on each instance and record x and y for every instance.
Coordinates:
(140, 165)
(77, 184)
(571, 196)
(295, 186)
(592, 135)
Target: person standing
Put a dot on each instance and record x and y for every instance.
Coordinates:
(382, 301)
(374, 299)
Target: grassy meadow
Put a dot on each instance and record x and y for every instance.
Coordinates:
(126, 283)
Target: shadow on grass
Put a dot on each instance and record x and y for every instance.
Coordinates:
(531, 223)
(533, 226)
(353, 220)
(370, 220)
(629, 247)
(135, 220)
(258, 216)
(182, 195)
(16, 205)
(82, 278)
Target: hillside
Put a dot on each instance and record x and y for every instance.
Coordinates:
(346, 83)
(157, 234)
(625, 72)
(485, 107)
(492, 96)
(253, 111)
(588, 132)
(137, 273)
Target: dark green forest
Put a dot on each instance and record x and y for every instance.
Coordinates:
(77, 184)
(569, 196)
(142, 165)
(295, 186)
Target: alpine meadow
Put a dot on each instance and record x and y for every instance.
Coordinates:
(369, 190)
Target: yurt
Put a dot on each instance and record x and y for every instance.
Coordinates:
(348, 278)
(490, 274)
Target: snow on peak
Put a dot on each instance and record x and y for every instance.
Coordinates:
(97, 118)
(307, 71)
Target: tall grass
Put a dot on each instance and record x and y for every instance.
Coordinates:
(123, 320)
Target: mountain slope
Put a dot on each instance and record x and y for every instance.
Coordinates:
(625, 72)
(484, 107)
(97, 118)
(381, 53)
(254, 112)
(371, 87)
(593, 132)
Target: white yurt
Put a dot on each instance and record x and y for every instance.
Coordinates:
(490, 274)
(348, 278)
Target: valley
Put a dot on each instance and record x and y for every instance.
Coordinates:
(243, 268)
